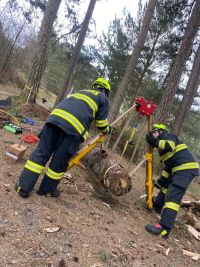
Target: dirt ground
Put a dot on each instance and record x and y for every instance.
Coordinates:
(85, 227)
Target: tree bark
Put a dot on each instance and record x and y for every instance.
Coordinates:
(40, 56)
(133, 60)
(179, 63)
(189, 94)
(65, 87)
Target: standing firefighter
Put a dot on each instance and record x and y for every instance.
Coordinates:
(65, 129)
(179, 168)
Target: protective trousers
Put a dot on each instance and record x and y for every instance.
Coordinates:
(170, 201)
(60, 147)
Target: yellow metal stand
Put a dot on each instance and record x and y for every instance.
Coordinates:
(87, 148)
(128, 141)
(149, 169)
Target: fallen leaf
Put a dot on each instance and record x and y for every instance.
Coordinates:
(52, 229)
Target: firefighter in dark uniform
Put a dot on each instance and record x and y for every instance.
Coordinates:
(65, 129)
(179, 169)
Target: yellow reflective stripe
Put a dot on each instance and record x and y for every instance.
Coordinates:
(180, 147)
(172, 206)
(71, 119)
(171, 154)
(186, 166)
(34, 167)
(165, 174)
(161, 144)
(54, 175)
(94, 92)
(88, 100)
(164, 232)
(172, 144)
(164, 190)
(85, 135)
(101, 123)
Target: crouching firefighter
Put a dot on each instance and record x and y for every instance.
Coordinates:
(65, 129)
(179, 169)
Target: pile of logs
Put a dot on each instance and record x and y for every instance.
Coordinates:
(192, 217)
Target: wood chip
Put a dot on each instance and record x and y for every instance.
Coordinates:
(52, 229)
(97, 265)
(193, 232)
(143, 196)
(193, 255)
(167, 252)
(107, 205)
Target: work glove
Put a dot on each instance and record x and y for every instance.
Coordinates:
(110, 130)
(151, 140)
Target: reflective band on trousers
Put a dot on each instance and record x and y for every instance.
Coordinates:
(88, 100)
(72, 120)
(164, 232)
(101, 123)
(172, 206)
(54, 175)
(165, 174)
(171, 154)
(186, 166)
(34, 167)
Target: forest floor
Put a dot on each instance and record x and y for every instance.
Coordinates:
(85, 227)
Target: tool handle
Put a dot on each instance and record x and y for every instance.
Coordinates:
(125, 113)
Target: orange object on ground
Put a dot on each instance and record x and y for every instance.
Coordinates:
(30, 138)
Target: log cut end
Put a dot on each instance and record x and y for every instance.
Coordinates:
(112, 174)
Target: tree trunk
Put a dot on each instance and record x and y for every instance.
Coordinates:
(40, 56)
(189, 94)
(127, 122)
(179, 63)
(65, 87)
(113, 176)
(133, 61)
(9, 53)
(138, 140)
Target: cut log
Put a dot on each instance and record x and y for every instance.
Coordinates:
(192, 206)
(193, 232)
(189, 218)
(111, 173)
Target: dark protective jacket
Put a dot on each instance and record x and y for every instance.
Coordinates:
(76, 112)
(175, 155)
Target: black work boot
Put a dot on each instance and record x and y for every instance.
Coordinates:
(56, 193)
(156, 229)
(21, 192)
